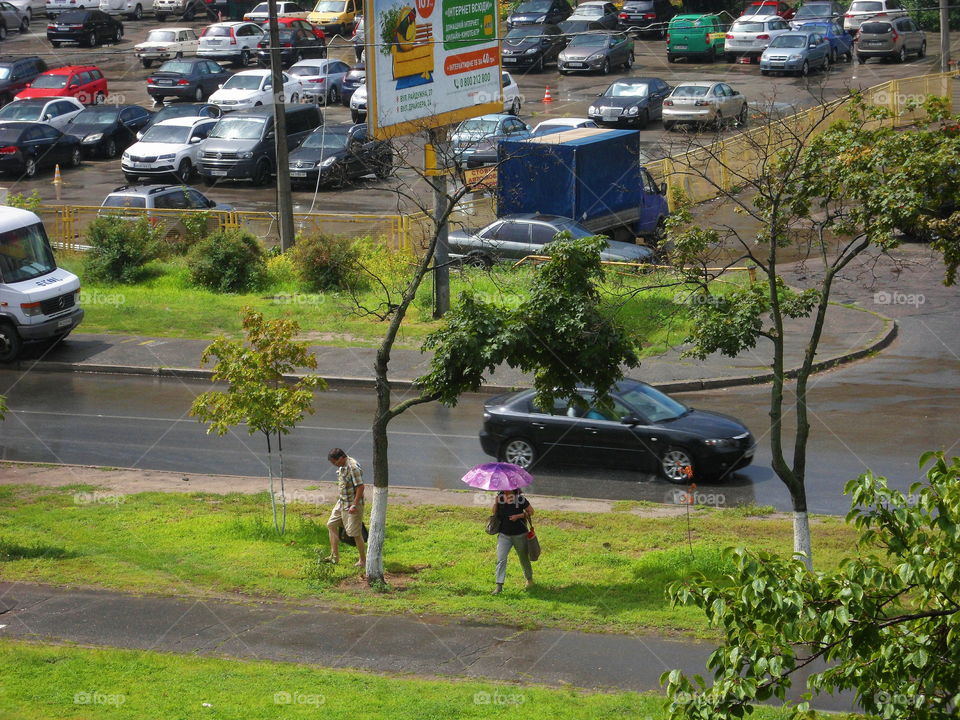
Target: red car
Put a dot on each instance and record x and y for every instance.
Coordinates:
(298, 24)
(770, 7)
(84, 82)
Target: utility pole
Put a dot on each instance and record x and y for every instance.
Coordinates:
(284, 196)
(944, 36)
(437, 139)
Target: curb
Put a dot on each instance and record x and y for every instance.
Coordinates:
(880, 342)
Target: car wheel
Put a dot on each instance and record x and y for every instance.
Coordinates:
(10, 343)
(334, 95)
(24, 25)
(158, 99)
(354, 116)
(743, 116)
(54, 43)
(629, 63)
(644, 120)
(562, 72)
(110, 150)
(138, 13)
(185, 170)
(75, 158)
(902, 55)
(826, 64)
(29, 167)
(161, 17)
(178, 56)
(671, 58)
(295, 98)
(147, 63)
(99, 99)
(923, 50)
(764, 72)
(3, 32)
(188, 15)
(718, 121)
(674, 464)
(515, 107)
(519, 451)
(244, 57)
(605, 68)
(92, 40)
(668, 125)
(131, 178)
(384, 168)
(262, 173)
(833, 56)
(198, 93)
(477, 260)
(804, 69)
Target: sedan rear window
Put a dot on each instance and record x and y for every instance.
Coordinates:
(876, 28)
(866, 6)
(690, 91)
(125, 201)
(177, 66)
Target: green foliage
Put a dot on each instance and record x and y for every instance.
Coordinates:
(327, 262)
(389, 19)
(31, 202)
(777, 616)
(119, 248)
(3, 407)
(229, 261)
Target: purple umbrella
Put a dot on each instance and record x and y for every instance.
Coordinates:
(497, 476)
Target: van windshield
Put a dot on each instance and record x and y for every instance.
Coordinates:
(238, 129)
(25, 254)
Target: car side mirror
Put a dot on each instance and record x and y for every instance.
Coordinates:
(195, 140)
(48, 116)
(268, 86)
(271, 135)
(663, 188)
(631, 420)
(220, 85)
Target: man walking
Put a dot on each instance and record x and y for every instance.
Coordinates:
(348, 511)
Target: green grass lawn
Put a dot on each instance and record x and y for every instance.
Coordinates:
(600, 572)
(54, 683)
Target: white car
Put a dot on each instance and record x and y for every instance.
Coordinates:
(55, 7)
(187, 9)
(358, 104)
(133, 9)
(862, 10)
(261, 12)
(252, 88)
(322, 79)
(169, 148)
(511, 94)
(555, 125)
(236, 41)
(749, 36)
(702, 103)
(167, 43)
(55, 111)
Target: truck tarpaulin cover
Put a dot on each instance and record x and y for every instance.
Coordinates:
(577, 174)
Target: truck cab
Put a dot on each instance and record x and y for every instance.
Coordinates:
(696, 36)
(39, 302)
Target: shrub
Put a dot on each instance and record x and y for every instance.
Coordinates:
(228, 261)
(119, 248)
(31, 202)
(280, 270)
(328, 262)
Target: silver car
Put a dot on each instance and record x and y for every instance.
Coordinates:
(796, 52)
(704, 103)
(893, 39)
(596, 52)
(862, 10)
(13, 18)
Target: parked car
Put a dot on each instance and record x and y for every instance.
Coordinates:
(890, 39)
(132, 9)
(186, 9)
(640, 427)
(539, 12)
(597, 52)
(84, 27)
(167, 43)
(748, 37)
(473, 131)
(16, 74)
(322, 79)
(13, 18)
(29, 8)
(84, 82)
(354, 78)
(358, 39)
(358, 104)
(168, 148)
(235, 41)
(26, 147)
(261, 12)
(572, 28)
(633, 100)
(532, 46)
(108, 129)
(769, 7)
(295, 45)
(647, 16)
(181, 110)
(704, 103)
(241, 145)
(796, 52)
(334, 155)
(862, 10)
(511, 94)
(295, 23)
(133, 201)
(605, 13)
(555, 125)
(54, 7)
(188, 79)
(841, 44)
(55, 112)
(817, 10)
(252, 88)
(701, 36)
(336, 17)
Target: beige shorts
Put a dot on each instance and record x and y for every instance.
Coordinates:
(352, 521)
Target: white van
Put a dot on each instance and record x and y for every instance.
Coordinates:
(131, 9)
(38, 301)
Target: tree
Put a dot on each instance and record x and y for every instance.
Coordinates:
(827, 191)
(259, 395)
(886, 623)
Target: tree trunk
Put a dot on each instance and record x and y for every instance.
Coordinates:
(378, 521)
(801, 538)
(273, 497)
(381, 469)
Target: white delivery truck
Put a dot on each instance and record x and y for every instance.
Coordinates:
(39, 302)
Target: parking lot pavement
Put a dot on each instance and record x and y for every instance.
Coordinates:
(572, 95)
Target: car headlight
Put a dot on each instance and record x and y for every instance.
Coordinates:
(246, 155)
(720, 442)
(171, 156)
(96, 137)
(633, 111)
(592, 109)
(531, 51)
(796, 57)
(595, 58)
(328, 162)
(542, 18)
(125, 156)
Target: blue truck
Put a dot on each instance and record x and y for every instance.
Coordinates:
(591, 175)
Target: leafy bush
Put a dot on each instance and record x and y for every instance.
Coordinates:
(119, 248)
(31, 202)
(328, 262)
(228, 261)
(281, 271)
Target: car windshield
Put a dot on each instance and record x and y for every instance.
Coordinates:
(524, 31)
(478, 125)
(125, 201)
(876, 28)
(177, 66)
(589, 11)
(691, 90)
(167, 134)
(652, 403)
(537, 6)
(760, 10)
(866, 7)
(813, 10)
(789, 41)
(243, 82)
(326, 140)
(25, 254)
(50, 81)
(21, 111)
(623, 89)
(95, 116)
(161, 36)
(238, 128)
(306, 70)
(748, 27)
(590, 40)
(330, 6)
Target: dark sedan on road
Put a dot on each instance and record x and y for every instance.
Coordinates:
(639, 427)
(596, 52)
(647, 16)
(634, 101)
(339, 154)
(85, 27)
(107, 130)
(535, 12)
(187, 78)
(532, 46)
(25, 147)
(295, 45)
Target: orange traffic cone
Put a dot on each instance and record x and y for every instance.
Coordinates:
(57, 180)
(547, 98)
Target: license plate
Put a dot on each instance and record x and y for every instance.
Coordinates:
(577, 64)
(141, 165)
(65, 323)
(218, 173)
(679, 47)
(298, 174)
(509, 59)
(164, 82)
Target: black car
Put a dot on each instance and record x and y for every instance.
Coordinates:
(25, 147)
(186, 78)
(107, 130)
(632, 100)
(640, 427)
(351, 81)
(338, 154)
(85, 27)
(17, 73)
(534, 12)
(571, 28)
(533, 46)
(181, 110)
(647, 16)
(295, 45)
(816, 11)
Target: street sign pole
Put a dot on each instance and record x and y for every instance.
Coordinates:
(944, 36)
(437, 139)
(284, 196)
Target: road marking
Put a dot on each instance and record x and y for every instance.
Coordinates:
(147, 342)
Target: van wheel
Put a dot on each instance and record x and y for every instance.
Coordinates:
(10, 343)
(262, 174)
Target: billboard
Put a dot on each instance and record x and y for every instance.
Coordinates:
(430, 63)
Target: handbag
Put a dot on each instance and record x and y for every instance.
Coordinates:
(493, 525)
(344, 538)
(533, 543)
